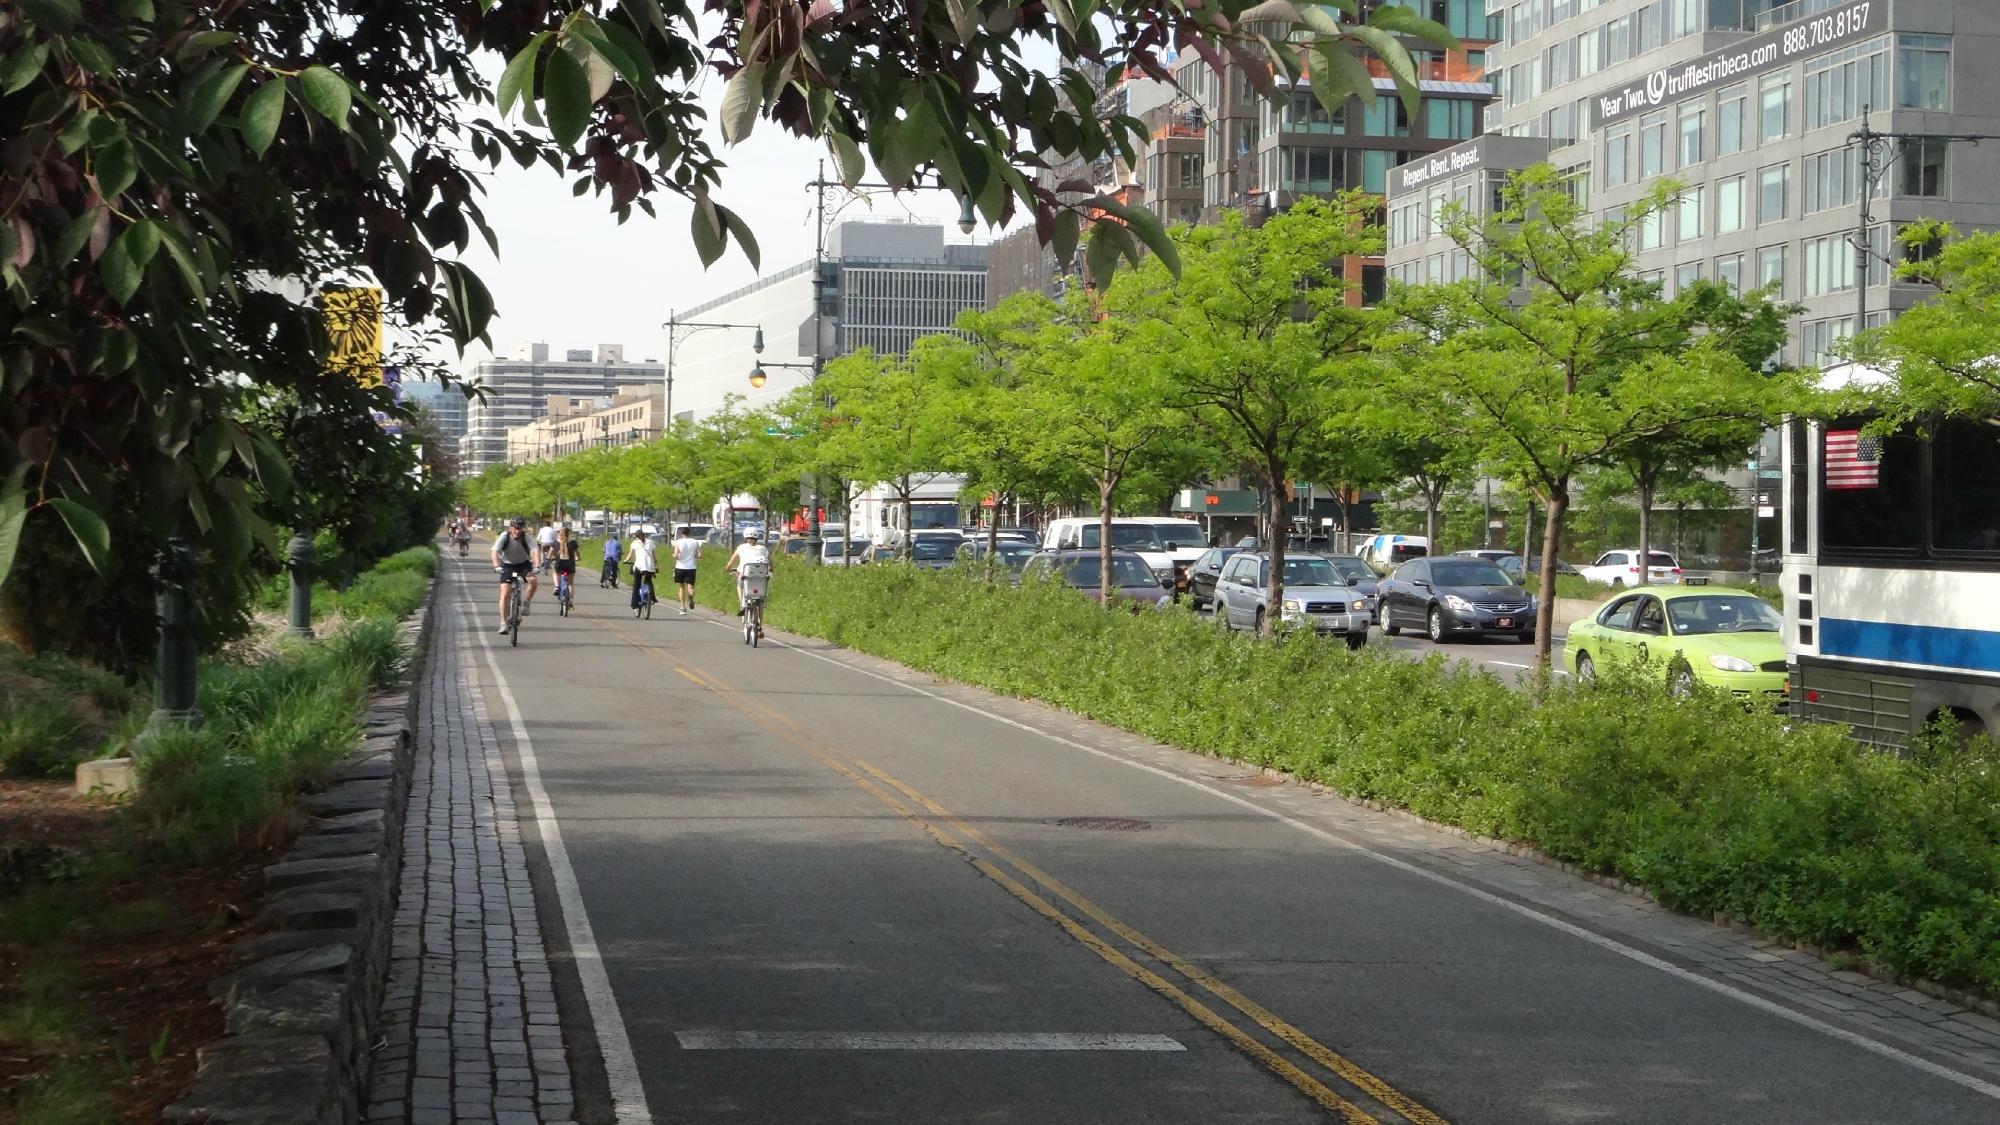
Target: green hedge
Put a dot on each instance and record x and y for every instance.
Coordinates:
(1712, 808)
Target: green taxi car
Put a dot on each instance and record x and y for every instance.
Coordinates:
(1731, 639)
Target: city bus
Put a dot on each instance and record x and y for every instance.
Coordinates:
(1891, 572)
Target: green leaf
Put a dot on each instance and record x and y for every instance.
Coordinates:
(116, 165)
(20, 67)
(274, 476)
(740, 231)
(707, 229)
(1063, 237)
(136, 9)
(121, 276)
(328, 93)
(604, 54)
(13, 515)
(212, 449)
(847, 158)
(649, 14)
(742, 100)
(262, 113)
(55, 15)
(598, 71)
(1397, 59)
(1153, 233)
(566, 90)
(1403, 21)
(228, 517)
(1345, 75)
(518, 80)
(1100, 260)
(91, 56)
(468, 306)
(88, 529)
(177, 251)
(74, 234)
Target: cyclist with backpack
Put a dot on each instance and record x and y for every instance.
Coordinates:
(515, 553)
(567, 551)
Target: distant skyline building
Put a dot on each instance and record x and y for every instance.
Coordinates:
(572, 425)
(519, 385)
(446, 405)
(883, 285)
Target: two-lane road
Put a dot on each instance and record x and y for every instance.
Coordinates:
(824, 889)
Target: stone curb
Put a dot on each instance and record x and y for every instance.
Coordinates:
(301, 1008)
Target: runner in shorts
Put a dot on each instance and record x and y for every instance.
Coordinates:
(687, 551)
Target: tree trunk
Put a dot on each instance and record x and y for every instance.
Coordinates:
(1106, 485)
(1274, 585)
(993, 531)
(1545, 602)
(1433, 497)
(909, 533)
(1645, 528)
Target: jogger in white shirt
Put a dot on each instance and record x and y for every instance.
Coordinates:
(687, 552)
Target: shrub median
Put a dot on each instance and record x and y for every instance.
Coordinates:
(1713, 809)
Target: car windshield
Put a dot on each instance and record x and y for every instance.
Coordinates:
(1468, 573)
(1722, 613)
(1350, 568)
(931, 548)
(1181, 533)
(1131, 536)
(1082, 572)
(1011, 552)
(1312, 572)
(831, 548)
(927, 517)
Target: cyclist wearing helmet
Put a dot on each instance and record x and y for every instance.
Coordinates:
(516, 553)
(751, 554)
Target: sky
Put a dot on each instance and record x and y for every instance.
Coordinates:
(570, 275)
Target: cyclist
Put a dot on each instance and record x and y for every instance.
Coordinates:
(687, 550)
(515, 554)
(462, 532)
(640, 556)
(751, 553)
(613, 551)
(567, 550)
(547, 538)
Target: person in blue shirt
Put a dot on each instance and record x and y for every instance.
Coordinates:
(613, 551)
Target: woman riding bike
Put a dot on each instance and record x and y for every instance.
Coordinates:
(567, 551)
(750, 560)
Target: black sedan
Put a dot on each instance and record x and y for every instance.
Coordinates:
(1449, 598)
(1202, 573)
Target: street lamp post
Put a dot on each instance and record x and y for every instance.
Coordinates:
(679, 330)
(1879, 152)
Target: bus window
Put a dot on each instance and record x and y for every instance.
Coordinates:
(1965, 504)
(1870, 502)
(1795, 502)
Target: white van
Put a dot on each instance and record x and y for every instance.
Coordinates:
(1169, 546)
(1384, 553)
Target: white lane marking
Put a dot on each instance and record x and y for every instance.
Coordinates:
(1970, 1082)
(621, 1069)
(922, 1041)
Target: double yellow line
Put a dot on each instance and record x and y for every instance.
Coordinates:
(968, 842)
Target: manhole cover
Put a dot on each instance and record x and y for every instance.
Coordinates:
(1104, 823)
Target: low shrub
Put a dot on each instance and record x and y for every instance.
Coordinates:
(1714, 809)
(56, 712)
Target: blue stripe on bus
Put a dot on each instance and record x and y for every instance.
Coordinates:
(1973, 649)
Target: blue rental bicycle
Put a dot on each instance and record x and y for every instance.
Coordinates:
(643, 594)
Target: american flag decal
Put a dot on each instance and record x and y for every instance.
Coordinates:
(1853, 459)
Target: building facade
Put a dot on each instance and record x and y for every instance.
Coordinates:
(519, 386)
(446, 405)
(1750, 106)
(572, 425)
(882, 286)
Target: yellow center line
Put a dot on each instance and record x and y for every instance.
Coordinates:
(786, 729)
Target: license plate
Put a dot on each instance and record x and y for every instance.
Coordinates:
(1505, 623)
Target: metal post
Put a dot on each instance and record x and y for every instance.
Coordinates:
(299, 565)
(174, 689)
(815, 533)
(1868, 175)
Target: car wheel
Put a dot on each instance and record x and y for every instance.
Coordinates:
(1437, 630)
(1389, 626)
(1257, 623)
(1220, 615)
(1680, 681)
(1586, 669)
(1355, 641)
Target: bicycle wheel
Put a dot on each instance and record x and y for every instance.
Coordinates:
(514, 621)
(756, 624)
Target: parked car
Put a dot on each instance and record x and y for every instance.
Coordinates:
(1384, 553)
(1167, 545)
(1716, 635)
(830, 555)
(1010, 554)
(1506, 560)
(1315, 596)
(1621, 568)
(880, 552)
(1132, 581)
(796, 545)
(1359, 576)
(1203, 572)
(1449, 598)
(935, 550)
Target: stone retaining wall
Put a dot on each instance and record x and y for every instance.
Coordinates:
(301, 1009)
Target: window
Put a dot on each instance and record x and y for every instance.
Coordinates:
(1620, 614)
(1559, 124)
(1389, 118)
(1686, 19)
(1774, 106)
(1374, 170)
(1729, 271)
(1688, 215)
(1618, 156)
(1560, 66)
(1771, 270)
(1729, 204)
(1449, 118)
(1965, 507)
(1832, 179)
(1652, 27)
(1829, 265)
(1577, 181)
(1618, 39)
(1693, 119)
(1652, 145)
(1773, 185)
(1838, 84)
(1653, 230)
(1921, 171)
(1685, 275)
(1923, 71)
(1732, 114)
(1818, 339)
(1589, 52)
(1187, 170)
(1307, 169)
(1879, 512)
(1302, 112)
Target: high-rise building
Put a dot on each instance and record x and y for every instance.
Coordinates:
(883, 285)
(446, 405)
(1751, 106)
(518, 387)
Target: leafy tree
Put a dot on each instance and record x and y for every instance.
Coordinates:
(1255, 340)
(892, 418)
(1557, 358)
(1940, 355)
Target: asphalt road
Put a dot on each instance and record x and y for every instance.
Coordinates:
(821, 889)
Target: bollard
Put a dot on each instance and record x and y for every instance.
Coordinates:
(174, 700)
(299, 562)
